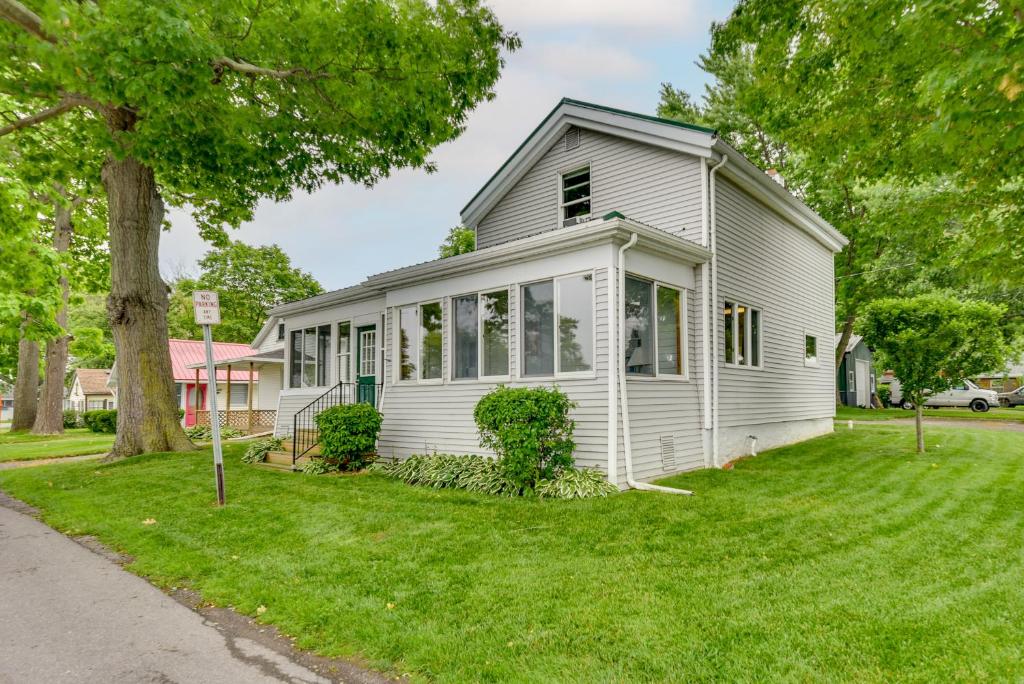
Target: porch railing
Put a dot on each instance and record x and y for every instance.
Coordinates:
(306, 434)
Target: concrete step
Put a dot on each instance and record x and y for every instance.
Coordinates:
(267, 465)
(284, 458)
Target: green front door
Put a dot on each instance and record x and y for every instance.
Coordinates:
(366, 364)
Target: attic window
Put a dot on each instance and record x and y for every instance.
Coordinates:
(575, 197)
(571, 139)
(280, 331)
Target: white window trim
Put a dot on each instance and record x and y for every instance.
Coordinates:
(418, 350)
(746, 338)
(485, 379)
(810, 362)
(562, 205)
(353, 340)
(558, 375)
(362, 355)
(287, 380)
(685, 341)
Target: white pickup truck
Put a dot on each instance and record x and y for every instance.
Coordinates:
(964, 394)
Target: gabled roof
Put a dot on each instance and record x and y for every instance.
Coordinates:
(685, 138)
(851, 343)
(187, 352)
(93, 381)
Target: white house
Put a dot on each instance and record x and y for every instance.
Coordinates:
(670, 287)
(90, 390)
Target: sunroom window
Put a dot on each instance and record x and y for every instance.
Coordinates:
(420, 343)
(575, 196)
(309, 356)
(344, 352)
(480, 335)
(653, 329)
(558, 326)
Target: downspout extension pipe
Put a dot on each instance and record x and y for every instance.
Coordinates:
(620, 361)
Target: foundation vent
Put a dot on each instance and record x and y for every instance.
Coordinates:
(571, 138)
(668, 452)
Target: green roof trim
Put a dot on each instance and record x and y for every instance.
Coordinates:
(612, 214)
(637, 115)
(588, 105)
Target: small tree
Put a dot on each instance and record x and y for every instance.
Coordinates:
(933, 341)
(460, 240)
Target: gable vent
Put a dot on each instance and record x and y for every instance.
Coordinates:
(571, 139)
(668, 452)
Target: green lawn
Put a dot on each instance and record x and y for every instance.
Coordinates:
(24, 446)
(847, 557)
(851, 413)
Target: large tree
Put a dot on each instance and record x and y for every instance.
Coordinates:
(250, 281)
(215, 106)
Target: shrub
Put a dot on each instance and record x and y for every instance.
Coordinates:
(318, 466)
(257, 451)
(348, 435)
(571, 483)
(101, 420)
(885, 395)
(204, 433)
(529, 429)
(485, 475)
(70, 418)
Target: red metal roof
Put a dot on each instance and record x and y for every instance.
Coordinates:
(185, 352)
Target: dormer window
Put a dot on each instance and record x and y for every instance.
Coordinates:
(575, 197)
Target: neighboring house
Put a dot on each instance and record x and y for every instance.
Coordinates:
(675, 292)
(1006, 380)
(188, 368)
(855, 377)
(90, 391)
(6, 402)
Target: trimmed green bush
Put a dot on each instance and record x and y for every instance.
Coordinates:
(70, 419)
(257, 451)
(885, 395)
(529, 429)
(348, 435)
(101, 420)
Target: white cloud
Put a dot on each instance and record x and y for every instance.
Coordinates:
(585, 59)
(657, 16)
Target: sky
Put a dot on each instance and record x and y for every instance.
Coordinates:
(611, 52)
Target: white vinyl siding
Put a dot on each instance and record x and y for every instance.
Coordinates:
(766, 262)
(649, 184)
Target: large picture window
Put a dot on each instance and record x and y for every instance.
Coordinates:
(653, 329)
(480, 335)
(558, 326)
(742, 334)
(309, 357)
(420, 343)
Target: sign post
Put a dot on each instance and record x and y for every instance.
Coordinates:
(207, 309)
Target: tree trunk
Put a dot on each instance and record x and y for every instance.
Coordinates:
(844, 339)
(919, 420)
(147, 414)
(26, 386)
(50, 417)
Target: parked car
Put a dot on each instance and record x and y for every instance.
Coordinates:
(1011, 399)
(964, 395)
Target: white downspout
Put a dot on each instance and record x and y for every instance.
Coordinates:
(705, 313)
(620, 362)
(713, 235)
(613, 335)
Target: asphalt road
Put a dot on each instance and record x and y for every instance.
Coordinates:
(68, 614)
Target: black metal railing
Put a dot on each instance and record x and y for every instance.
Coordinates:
(306, 434)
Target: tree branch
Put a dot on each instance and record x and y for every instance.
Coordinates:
(219, 65)
(19, 15)
(67, 103)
